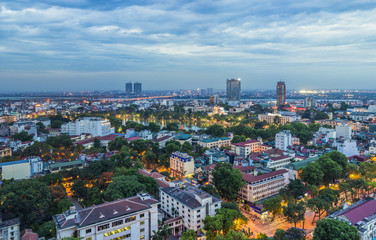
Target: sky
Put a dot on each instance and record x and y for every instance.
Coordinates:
(99, 45)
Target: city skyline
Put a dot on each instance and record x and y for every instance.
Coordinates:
(81, 45)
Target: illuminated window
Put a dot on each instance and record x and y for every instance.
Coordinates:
(142, 230)
(117, 231)
(130, 219)
(122, 237)
(142, 237)
(88, 238)
(142, 222)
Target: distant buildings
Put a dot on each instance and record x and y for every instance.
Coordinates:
(213, 143)
(233, 89)
(309, 102)
(281, 94)
(278, 118)
(283, 140)
(5, 151)
(181, 164)
(243, 149)
(95, 126)
(129, 88)
(10, 229)
(191, 204)
(137, 88)
(129, 218)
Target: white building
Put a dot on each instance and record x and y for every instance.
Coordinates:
(283, 140)
(129, 218)
(181, 164)
(282, 118)
(190, 203)
(92, 125)
(344, 131)
(348, 148)
(10, 229)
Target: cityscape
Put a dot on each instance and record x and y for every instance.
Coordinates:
(165, 120)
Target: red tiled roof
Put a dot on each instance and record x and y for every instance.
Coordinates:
(244, 169)
(27, 234)
(279, 158)
(133, 139)
(162, 138)
(245, 144)
(251, 178)
(360, 212)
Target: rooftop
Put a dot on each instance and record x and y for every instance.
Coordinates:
(252, 178)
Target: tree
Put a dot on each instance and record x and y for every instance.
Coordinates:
(330, 168)
(215, 130)
(162, 234)
(186, 147)
(293, 190)
(37, 149)
(153, 127)
(26, 199)
(312, 174)
(329, 229)
(294, 213)
(273, 205)
(232, 235)
(188, 235)
(289, 234)
(63, 141)
(97, 143)
(340, 159)
(47, 230)
(319, 206)
(238, 138)
(321, 116)
(211, 190)
(172, 126)
(123, 187)
(227, 180)
(117, 144)
(22, 136)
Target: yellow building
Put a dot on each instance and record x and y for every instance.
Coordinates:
(5, 151)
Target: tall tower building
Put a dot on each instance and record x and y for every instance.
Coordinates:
(233, 89)
(281, 94)
(137, 87)
(129, 88)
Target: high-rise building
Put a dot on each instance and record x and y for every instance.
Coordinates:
(309, 102)
(129, 88)
(137, 87)
(233, 89)
(283, 140)
(210, 91)
(281, 94)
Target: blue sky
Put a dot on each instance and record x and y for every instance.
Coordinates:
(93, 45)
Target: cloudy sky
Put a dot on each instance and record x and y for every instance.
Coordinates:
(93, 45)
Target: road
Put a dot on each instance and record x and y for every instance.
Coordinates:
(279, 222)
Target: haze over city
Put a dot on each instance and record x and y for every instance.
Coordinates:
(96, 45)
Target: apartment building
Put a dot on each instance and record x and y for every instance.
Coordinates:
(279, 162)
(213, 143)
(283, 139)
(263, 186)
(181, 164)
(190, 203)
(243, 149)
(10, 229)
(129, 218)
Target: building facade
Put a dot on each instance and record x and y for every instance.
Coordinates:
(93, 125)
(281, 94)
(213, 143)
(5, 151)
(344, 131)
(181, 164)
(129, 88)
(243, 149)
(190, 203)
(272, 118)
(348, 147)
(283, 139)
(233, 89)
(137, 87)
(263, 186)
(21, 169)
(10, 229)
(129, 218)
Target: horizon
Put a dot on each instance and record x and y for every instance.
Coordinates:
(80, 45)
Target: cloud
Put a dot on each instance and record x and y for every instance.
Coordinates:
(228, 36)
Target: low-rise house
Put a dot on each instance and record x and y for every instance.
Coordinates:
(213, 143)
(57, 167)
(129, 218)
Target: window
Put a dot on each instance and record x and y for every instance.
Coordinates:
(198, 211)
(117, 223)
(142, 230)
(88, 238)
(130, 219)
(142, 237)
(88, 230)
(142, 222)
(142, 215)
(102, 227)
(117, 231)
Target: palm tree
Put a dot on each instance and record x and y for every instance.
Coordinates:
(163, 233)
